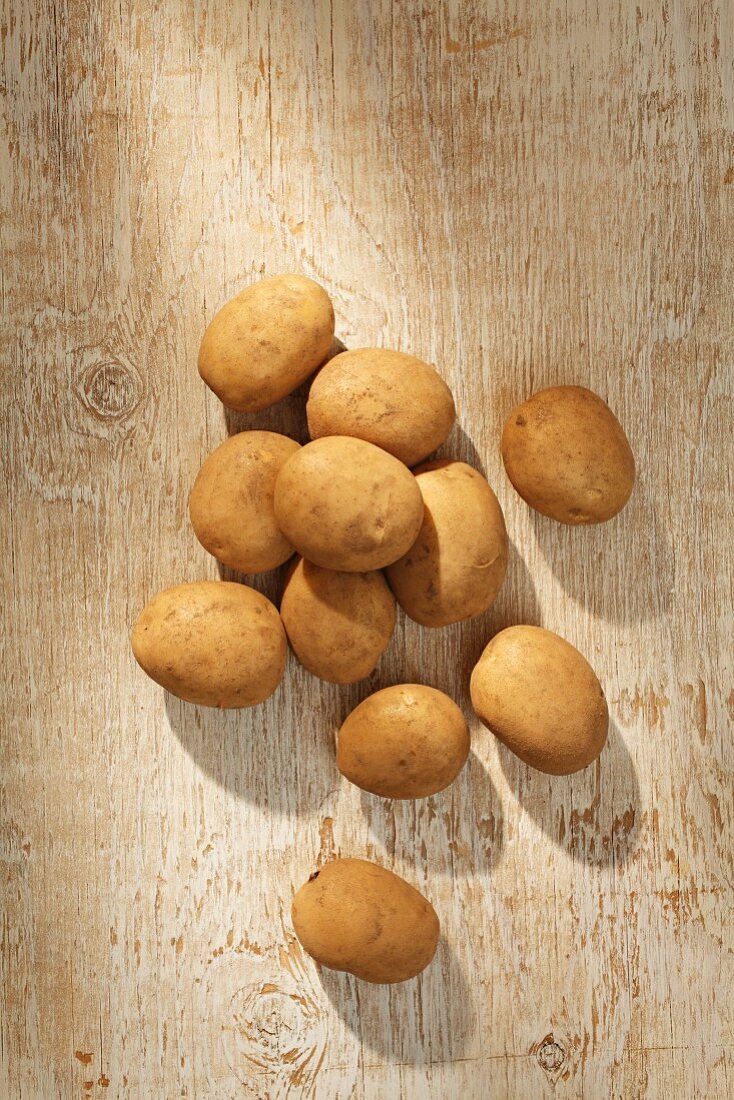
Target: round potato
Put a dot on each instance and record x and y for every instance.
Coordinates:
(457, 564)
(390, 399)
(338, 624)
(356, 916)
(263, 343)
(407, 741)
(213, 643)
(347, 505)
(567, 455)
(541, 698)
(231, 503)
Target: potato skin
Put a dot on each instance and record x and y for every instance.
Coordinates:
(456, 566)
(347, 505)
(266, 340)
(231, 503)
(338, 624)
(213, 643)
(406, 741)
(390, 399)
(357, 916)
(568, 457)
(542, 698)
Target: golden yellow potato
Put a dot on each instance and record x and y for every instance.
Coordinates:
(356, 916)
(406, 741)
(456, 566)
(541, 698)
(347, 505)
(213, 643)
(567, 455)
(390, 399)
(268, 339)
(338, 624)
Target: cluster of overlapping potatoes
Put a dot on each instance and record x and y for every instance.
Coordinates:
(368, 521)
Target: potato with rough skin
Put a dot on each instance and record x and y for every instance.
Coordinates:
(213, 643)
(268, 339)
(406, 741)
(541, 698)
(568, 457)
(347, 505)
(457, 564)
(356, 916)
(338, 624)
(389, 398)
(231, 503)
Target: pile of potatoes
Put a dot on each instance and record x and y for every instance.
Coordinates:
(368, 520)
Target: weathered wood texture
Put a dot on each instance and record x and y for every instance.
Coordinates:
(525, 194)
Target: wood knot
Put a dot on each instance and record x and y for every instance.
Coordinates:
(276, 1029)
(110, 390)
(551, 1056)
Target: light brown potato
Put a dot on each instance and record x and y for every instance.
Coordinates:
(406, 741)
(390, 399)
(213, 643)
(456, 566)
(541, 698)
(567, 455)
(347, 505)
(263, 343)
(338, 624)
(356, 916)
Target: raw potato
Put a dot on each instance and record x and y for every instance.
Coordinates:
(263, 343)
(458, 562)
(213, 643)
(356, 916)
(338, 624)
(390, 399)
(541, 698)
(568, 457)
(407, 741)
(231, 503)
(347, 505)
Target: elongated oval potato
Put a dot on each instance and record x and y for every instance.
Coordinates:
(457, 564)
(231, 503)
(354, 915)
(268, 339)
(567, 455)
(537, 693)
(390, 399)
(338, 624)
(347, 505)
(212, 642)
(406, 741)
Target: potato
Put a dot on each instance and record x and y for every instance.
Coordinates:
(567, 455)
(390, 399)
(541, 698)
(407, 741)
(267, 340)
(356, 916)
(347, 505)
(213, 643)
(457, 564)
(338, 624)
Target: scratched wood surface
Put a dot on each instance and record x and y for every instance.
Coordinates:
(525, 194)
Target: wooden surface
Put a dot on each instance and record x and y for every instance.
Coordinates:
(525, 194)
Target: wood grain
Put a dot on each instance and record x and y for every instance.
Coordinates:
(524, 194)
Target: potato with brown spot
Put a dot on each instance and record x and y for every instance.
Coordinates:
(568, 457)
(406, 741)
(541, 698)
(268, 339)
(213, 643)
(389, 398)
(356, 916)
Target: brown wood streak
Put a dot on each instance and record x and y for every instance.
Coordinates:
(525, 195)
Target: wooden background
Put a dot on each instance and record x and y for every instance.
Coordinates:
(525, 194)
